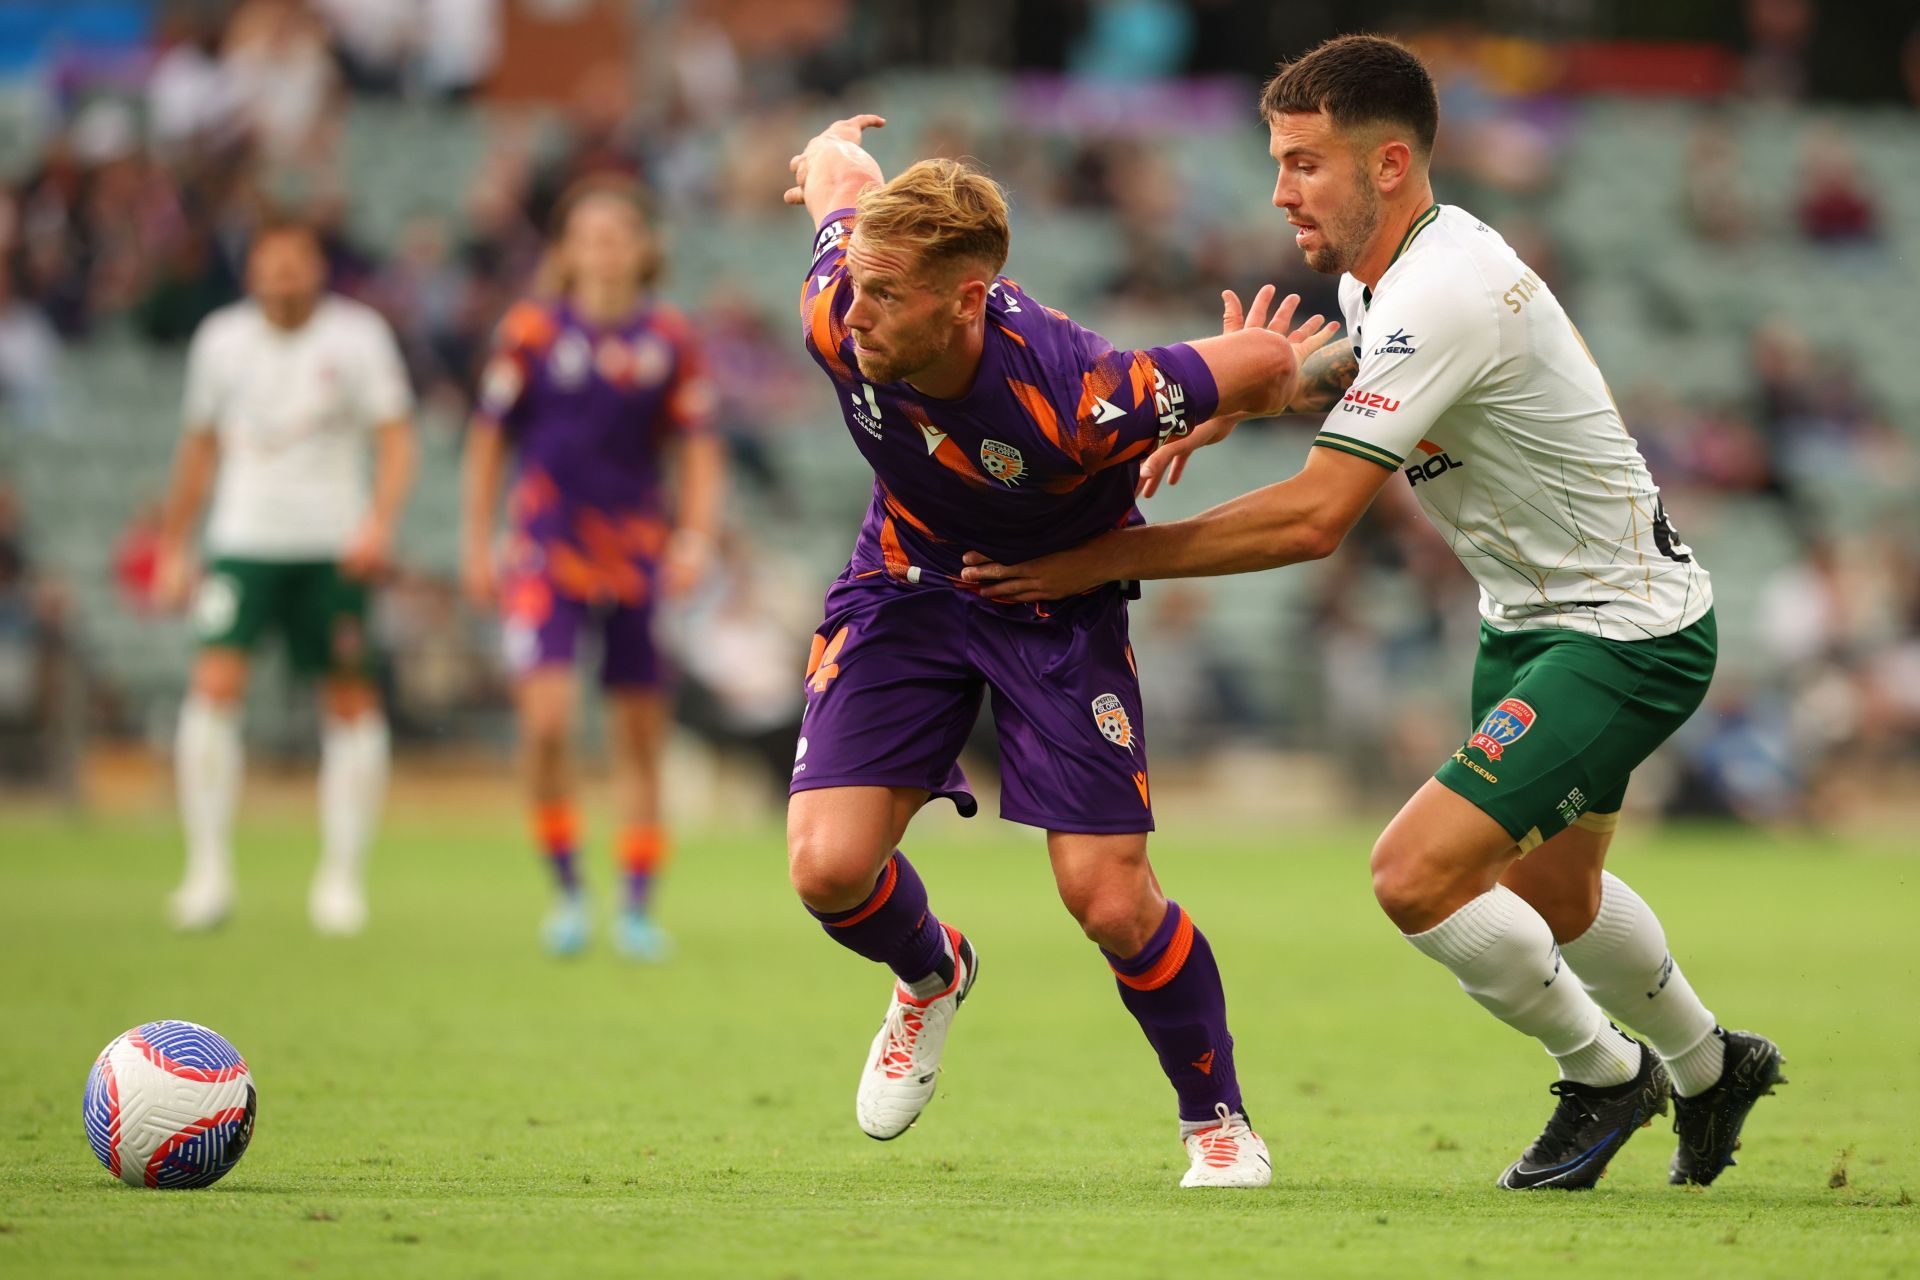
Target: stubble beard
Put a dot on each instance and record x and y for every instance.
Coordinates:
(897, 365)
(1347, 235)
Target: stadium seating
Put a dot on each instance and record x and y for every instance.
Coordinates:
(1644, 291)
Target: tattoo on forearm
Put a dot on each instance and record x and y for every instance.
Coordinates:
(1325, 377)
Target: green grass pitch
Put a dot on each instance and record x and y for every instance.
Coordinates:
(437, 1098)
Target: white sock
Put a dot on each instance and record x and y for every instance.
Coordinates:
(353, 786)
(1503, 954)
(1623, 961)
(207, 763)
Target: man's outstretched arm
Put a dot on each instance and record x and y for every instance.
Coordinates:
(1324, 378)
(1282, 391)
(833, 170)
(1303, 518)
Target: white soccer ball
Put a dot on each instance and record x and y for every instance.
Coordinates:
(169, 1104)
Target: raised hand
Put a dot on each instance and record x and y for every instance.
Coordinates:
(1169, 462)
(1307, 337)
(834, 147)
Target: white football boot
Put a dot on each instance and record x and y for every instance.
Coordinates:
(903, 1065)
(337, 904)
(201, 902)
(1227, 1154)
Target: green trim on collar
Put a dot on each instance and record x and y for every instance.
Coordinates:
(1420, 224)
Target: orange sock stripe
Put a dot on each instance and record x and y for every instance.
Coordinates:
(888, 879)
(556, 826)
(1168, 966)
(643, 849)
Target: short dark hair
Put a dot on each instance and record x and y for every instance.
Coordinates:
(278, 222)
(1358, 80)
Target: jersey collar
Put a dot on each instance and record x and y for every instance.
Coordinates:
(1420, 224)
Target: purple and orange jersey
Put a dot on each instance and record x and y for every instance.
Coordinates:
(1042, 453)
(590, 413)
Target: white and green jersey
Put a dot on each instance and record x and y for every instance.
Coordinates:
(292, 409)
(1474, 385)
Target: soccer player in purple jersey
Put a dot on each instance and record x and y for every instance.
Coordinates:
(596, 388)
(994, 423)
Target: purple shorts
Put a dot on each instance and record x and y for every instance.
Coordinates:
(895, 682)
(543, 629)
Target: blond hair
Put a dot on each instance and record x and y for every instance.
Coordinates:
(942, 211)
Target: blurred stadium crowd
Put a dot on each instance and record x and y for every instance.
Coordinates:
(1729, 205)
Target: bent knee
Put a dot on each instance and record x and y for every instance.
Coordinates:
(220, 678)
(546, 729)
(1568, 904)
(828, 875)
(349, 699)
(1417, 887)
(1122, 923)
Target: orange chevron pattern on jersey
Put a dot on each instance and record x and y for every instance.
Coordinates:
(827, 326)
(1040, 452)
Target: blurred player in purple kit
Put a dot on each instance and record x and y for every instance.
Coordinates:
(993, 421)
(595, 388)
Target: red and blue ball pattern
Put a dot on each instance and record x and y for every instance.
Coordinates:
(169, 1104)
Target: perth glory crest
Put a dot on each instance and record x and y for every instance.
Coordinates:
(1112, 720)
(1002, 461)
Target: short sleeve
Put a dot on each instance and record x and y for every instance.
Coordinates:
(690, 396)
(1131, 402)
(826, 296)
(1420, 354)
(524, 332)
(385, 393)
(205, 393)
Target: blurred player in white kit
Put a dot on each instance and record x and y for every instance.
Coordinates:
(283, 391)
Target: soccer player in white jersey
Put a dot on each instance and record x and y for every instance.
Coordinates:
(1462, 376)
(283, 391)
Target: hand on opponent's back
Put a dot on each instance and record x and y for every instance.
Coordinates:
(1050, 577)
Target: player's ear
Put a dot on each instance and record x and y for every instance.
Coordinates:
(1392, 163)
(970, 302)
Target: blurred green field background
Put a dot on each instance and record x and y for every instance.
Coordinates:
(438, 1098)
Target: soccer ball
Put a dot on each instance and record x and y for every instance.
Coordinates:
(169, 1104)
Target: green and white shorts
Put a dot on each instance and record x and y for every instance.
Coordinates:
(1562, 719)
(321, 612)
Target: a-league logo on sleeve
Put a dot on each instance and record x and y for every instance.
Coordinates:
(1505, 725)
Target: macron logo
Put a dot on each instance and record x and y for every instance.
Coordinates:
(1106, 411)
